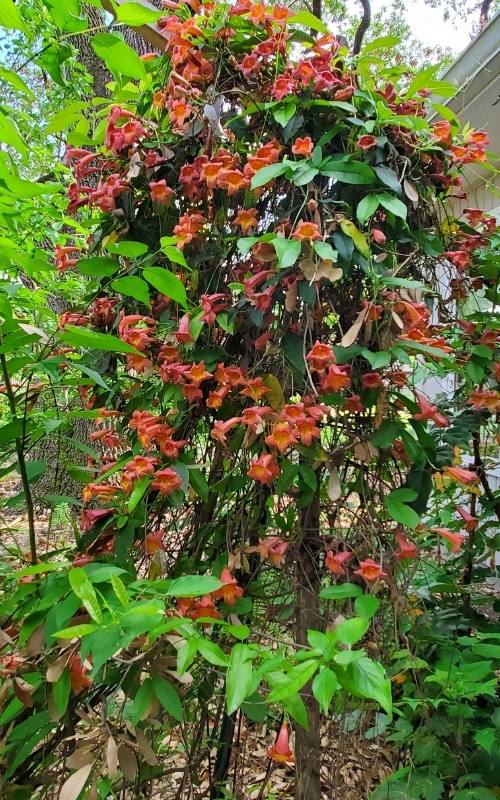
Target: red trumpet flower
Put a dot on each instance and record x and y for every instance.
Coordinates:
(280, 751)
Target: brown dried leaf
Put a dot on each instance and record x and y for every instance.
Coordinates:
(291, 298)
(314, 270)
(397, 319)
(365, 451)
(23, 691)
(57, 668)
(334, 491)
(128, 762)
(352, 334)
(112, 757)
(145, 748)
(71, 789)
(82, 756)
(410, 191)
(36, 641)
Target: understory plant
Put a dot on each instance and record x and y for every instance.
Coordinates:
(280, 519)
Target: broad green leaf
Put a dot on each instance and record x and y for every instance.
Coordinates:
(392, 204)
(352, 630)
(287, 685)
(119, 58)
(138, 492)
(385, 435)
(128, 248)
(287, 250)
(340, 592)
(142, 701)
(366, 605)
(267, 174)
(76, 631)
(60, 691)
(38, 569)
(359, 239)
(168, 697)
(91, 373)
(309, 20)
(65, 117)
(132, 287)
(199, 483)
(10, 16)
(304, 174)
(15, 80)
(382, 43)
(193, 586)
(355, 172)
(174, 254)
(98, 266)
(324, 687)
(136, 14)
(325, 251)
(91, 340)
(11, 431)
(487, 650)
(486, 738)
(167, 283)
(283, 112)
(388, 177)
(238, 677)
(366, 208)
(367, 678)
(120, 590)
(10, 135)
(82, 587)
(293, 350)
(212, 653)
(397, 508)
(295, 707)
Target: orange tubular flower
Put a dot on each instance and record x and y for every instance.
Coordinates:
(430, 412)
(335, 379)
(464, 476)
(166, 481)
(254, 417)
(222, 428)
(303, 147)
(78, 675)
(264, 469)
(367, 142)
(179, 112)
(197, 373)
(280, 751)
(407, 549)
(455, 539)
(471, 522)
(306, 231)
(442, 132)
(229, 591)
(154, 542)
(334, 562)
(281, 437)
(160, 192)
(320, 356)
(246, 219)
(255, 389)
(371, 380)
(139, 466)
(273, 548)
(369, 570)
(233, 180)
(182, 334)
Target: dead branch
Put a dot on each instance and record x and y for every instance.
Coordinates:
(364, 25)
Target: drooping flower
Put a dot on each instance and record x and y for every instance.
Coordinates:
(273, 549)
(306, 231)
(264, 469)
(303, 147)
(154, 542)
(183, 334)
(334, 562)
(246, 219)
(461, 475)
(160, 192)
(335, 379)
(166, 481)
(320, 356)
(281, 437)
(280, 751)
(430, 412)
(456, 540)
(369, 570)
(471, 522)
(371, 380)
(229, 591)
(378, 236)
(407, 549)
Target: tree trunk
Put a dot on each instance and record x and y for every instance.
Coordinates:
(307, 615)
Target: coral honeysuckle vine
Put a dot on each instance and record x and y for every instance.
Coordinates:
(271, 231)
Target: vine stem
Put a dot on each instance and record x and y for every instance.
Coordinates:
(21, 460)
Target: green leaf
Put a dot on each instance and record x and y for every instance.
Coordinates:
(212, 653)
(487, 650)
(15, 80)
(128, 248)
(11, 431)
(366, 605)
(352, 630)
(304, 173)
(10, 135)
(60, 691)
(238, 677)
(76, 631)
(325, 251)
(486, 738)
(293, 350)
(340, 592)
(355, 172)
(167, 283)
(10, 16)
(367, 678)
(173, 253)
(193, 586)
(386, 434)
(98, 267)
(397, 508)
(82, 587)
(142, 701)
(119, 58)
(267, 174)
(199, 483)
(90, 340)
(168, 697)
(366, 208)
(287, 685)
(382, 43)
(324, 687)
(389, 178)
(392, 204)
(65, 117)
(136, 14)
(359, 239)
(283, 112)
(91, 373)
(295, 707)
(287, 250)
(120, 590)
(308, 20)
(132, 287)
